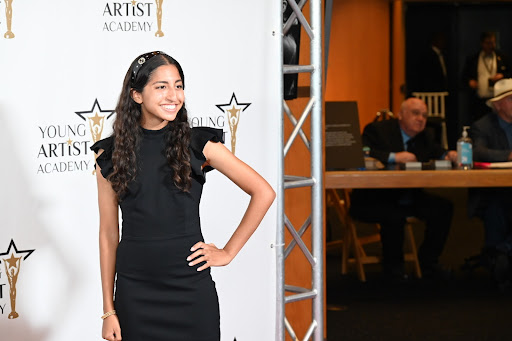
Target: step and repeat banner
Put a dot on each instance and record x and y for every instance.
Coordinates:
(62, 65)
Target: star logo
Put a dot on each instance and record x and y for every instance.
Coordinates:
(12, 261)
(96, 122)
(233, 98)
(13, 267)
(93, 114)
(16, 251)
(96, 119)
(233, 110)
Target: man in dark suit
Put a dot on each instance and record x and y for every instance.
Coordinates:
(400, 141)
(432, 74)
(481, 71)
(492, 142)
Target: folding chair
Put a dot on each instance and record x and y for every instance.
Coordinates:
(436, 106)
(352, 248)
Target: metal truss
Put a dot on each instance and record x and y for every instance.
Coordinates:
(315, 220)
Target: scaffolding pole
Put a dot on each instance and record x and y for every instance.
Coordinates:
(315, 221)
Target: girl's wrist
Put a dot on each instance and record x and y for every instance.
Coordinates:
(107, 314)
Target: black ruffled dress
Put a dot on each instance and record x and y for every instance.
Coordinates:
(158, 296)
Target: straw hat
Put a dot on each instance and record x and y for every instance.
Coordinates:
(502, 89)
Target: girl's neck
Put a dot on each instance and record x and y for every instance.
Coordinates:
(154, 125)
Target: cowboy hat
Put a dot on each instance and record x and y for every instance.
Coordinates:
(502, 89)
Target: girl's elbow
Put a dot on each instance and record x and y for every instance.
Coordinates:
(270, 195)
(109, 233)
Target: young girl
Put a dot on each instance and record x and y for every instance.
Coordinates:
(153, 167)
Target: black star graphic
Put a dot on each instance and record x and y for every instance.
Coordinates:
(81, 113)
(11, 244)
(231, 101)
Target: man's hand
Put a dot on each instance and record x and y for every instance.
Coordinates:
(451, 155)
(473, 84)
(402, 157)
(496, 78)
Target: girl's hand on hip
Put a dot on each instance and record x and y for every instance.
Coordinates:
(208, 253)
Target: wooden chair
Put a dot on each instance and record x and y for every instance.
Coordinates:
(436, 106)
(352, 248)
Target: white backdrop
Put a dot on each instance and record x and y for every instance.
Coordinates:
(64, 65)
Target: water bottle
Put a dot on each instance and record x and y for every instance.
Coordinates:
(366, 151)
(369, 164)
(464, 150)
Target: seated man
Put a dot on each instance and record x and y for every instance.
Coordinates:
(492, 142)
(397, 141)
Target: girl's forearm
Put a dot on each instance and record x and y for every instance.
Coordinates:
(108, 248)
(258, 206)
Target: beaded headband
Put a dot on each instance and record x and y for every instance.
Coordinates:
(140, 62)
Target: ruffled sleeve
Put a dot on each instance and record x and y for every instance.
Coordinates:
(105, 159)
(198, 139)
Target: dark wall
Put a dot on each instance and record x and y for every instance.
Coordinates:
(462, 25)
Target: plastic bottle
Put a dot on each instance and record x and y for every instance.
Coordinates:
(464, 150)
(366, 151)
(366, 155)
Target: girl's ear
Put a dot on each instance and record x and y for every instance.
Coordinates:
(136, 96)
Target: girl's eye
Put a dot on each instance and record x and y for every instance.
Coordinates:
(179, 86)
(161, 87)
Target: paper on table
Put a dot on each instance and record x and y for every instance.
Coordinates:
(492, 164)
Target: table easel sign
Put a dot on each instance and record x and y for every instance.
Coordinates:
(343, 146)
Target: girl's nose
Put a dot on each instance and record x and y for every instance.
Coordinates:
(171, 95)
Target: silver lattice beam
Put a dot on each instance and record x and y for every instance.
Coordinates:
(313, 110)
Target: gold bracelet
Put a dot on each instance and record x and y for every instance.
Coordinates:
(107, 314)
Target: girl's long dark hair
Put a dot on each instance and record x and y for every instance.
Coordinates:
(128, 131)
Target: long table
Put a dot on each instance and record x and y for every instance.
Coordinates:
(419, 178)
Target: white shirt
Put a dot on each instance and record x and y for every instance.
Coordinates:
(487, 68)
(441, 59)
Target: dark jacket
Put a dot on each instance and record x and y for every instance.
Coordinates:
(430, 76)
(490, 144)
(385, 137)
(471, 67)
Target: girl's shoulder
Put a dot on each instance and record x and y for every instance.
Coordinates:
(107, 144)
(199, 136)
(105, 159)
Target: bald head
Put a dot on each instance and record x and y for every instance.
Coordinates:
(413, 116)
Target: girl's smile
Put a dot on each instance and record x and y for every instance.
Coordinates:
(162, 97)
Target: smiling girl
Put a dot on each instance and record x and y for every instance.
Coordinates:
(156, 280)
